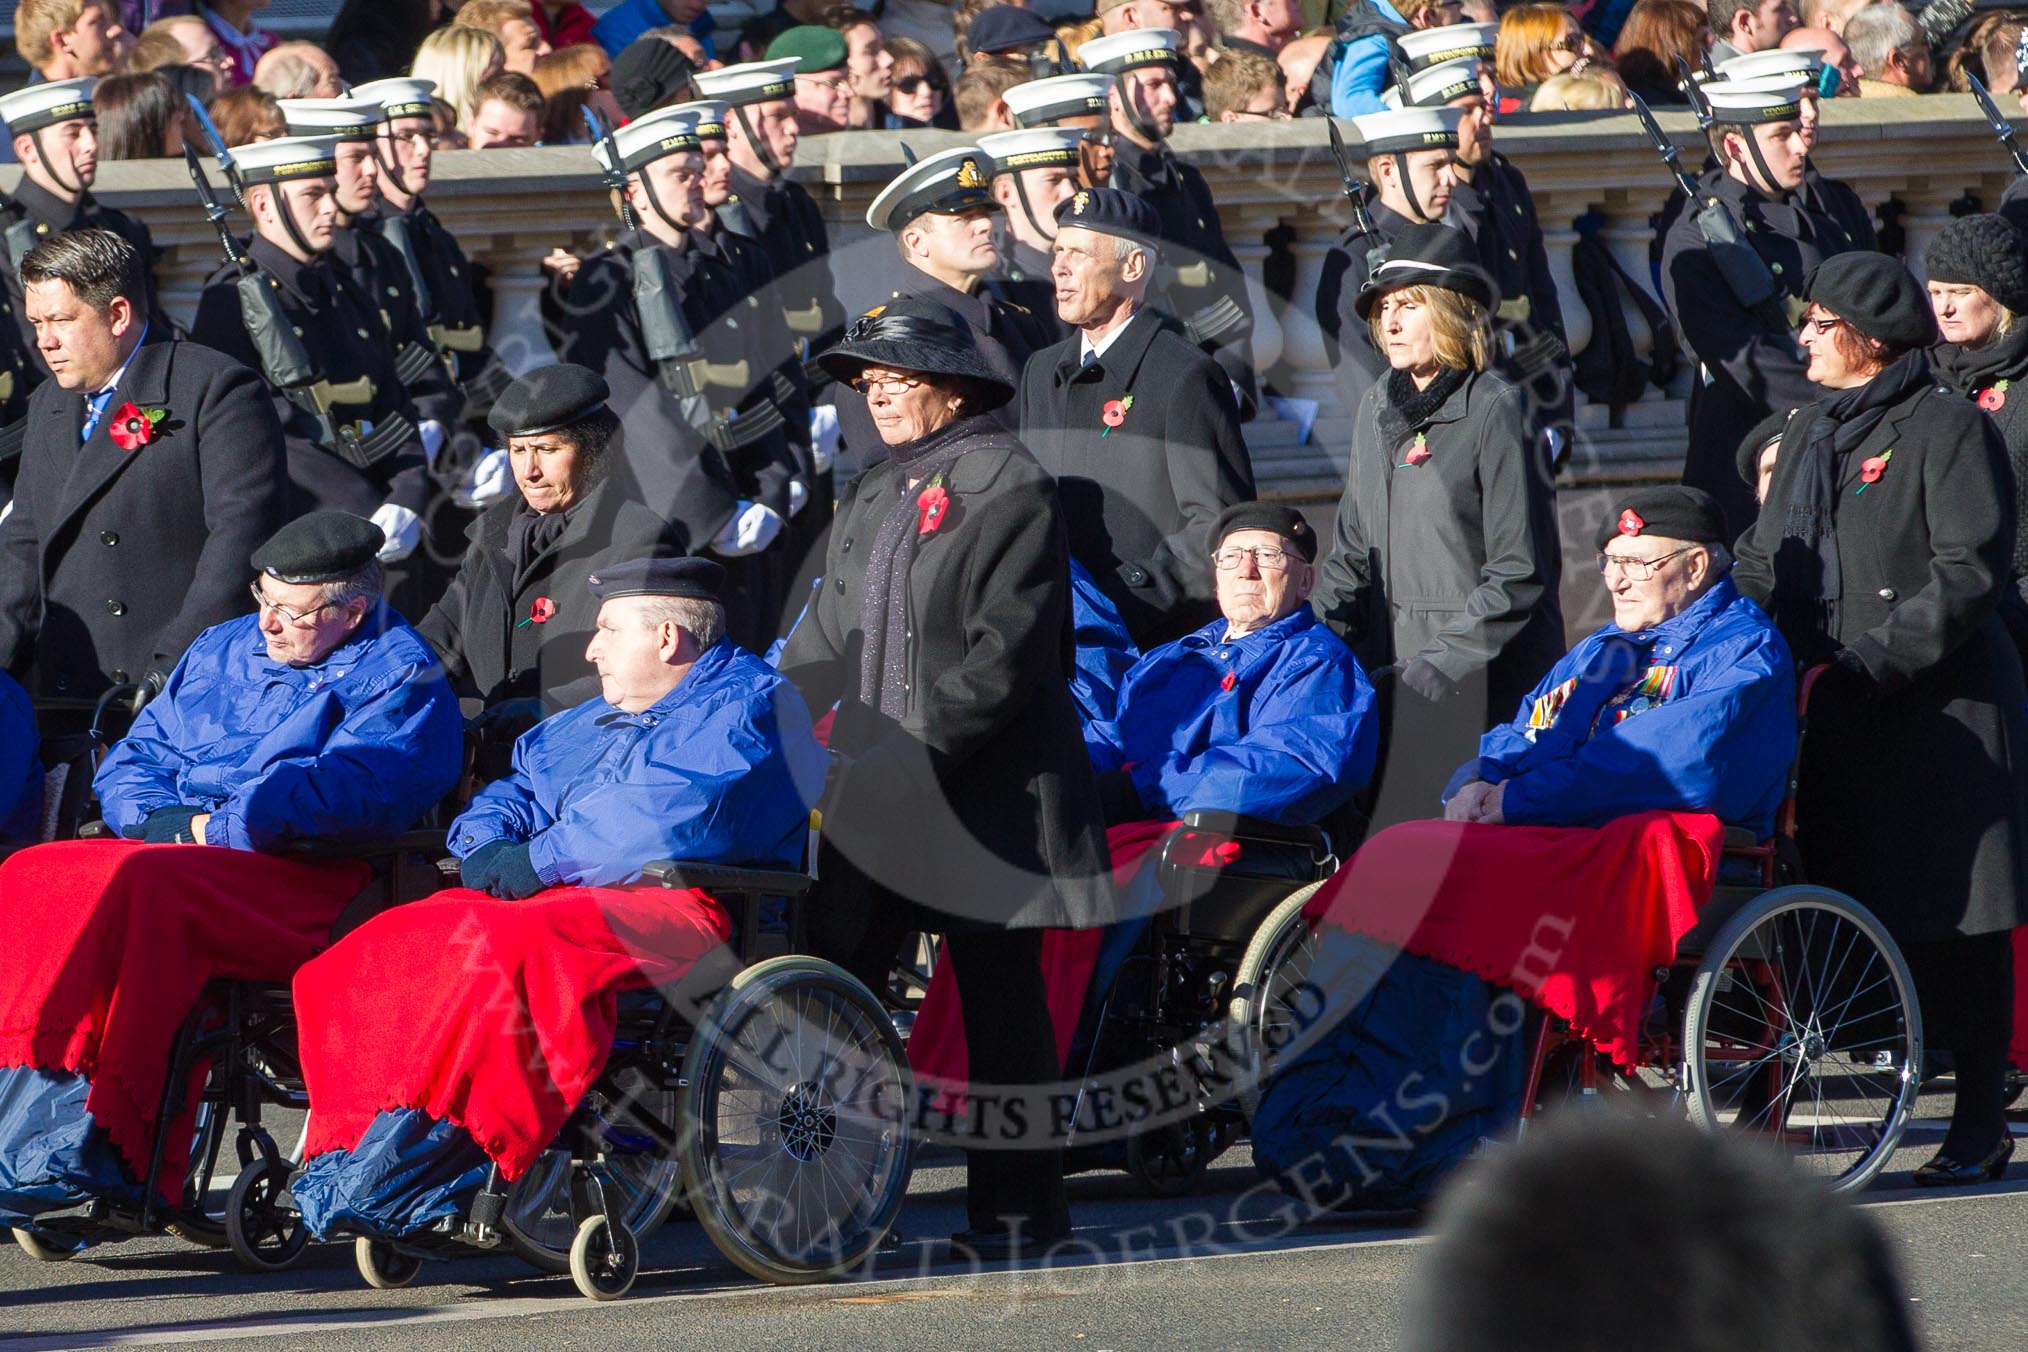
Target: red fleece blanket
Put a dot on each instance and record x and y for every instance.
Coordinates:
(108, 946)
(936, 1045)
(1577, 920)
(495, 1015)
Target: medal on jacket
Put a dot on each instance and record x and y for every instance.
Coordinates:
(1416, 453)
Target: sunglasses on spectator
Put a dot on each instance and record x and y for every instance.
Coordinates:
(909, 84)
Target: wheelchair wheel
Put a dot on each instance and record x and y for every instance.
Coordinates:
(795, 1136)
(262, 1225)
(47, 1248)
(1803, 1028)
(604, 1259)
(384, 1267)
(1276, 965)
(1171, 1160)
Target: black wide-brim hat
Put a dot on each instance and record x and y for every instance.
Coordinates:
(1430, 255)
(918, 336)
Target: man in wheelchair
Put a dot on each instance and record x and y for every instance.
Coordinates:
(20, 766)
(321, 717)
(456, 1034)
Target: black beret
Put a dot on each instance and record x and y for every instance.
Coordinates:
(1747, 458)
(1876, 295)
(1672, 511)
(648, 73)
(1112, 212)
(1007, 28)
(319, 547)
(696, 578)
(1286, 522)
(1982, 250)
(547, 398)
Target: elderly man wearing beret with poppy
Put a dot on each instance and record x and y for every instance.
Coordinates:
(1684, 703)
(478, 1042)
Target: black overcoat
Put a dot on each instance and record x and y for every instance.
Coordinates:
(486, 628)
(1912, 784)
(113, 561)
(979, 804)
(1995, 377)
(1140, 499)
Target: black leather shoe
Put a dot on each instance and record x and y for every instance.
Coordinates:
(1945, 1172)
(996, 1246)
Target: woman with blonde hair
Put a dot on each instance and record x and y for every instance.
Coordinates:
(1443, 578)
(1594, 87)
(458, 59)
(1536, 41)
(572, 79)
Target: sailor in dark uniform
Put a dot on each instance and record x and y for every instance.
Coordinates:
(1411, 174)
(688, 359)
(1824, 195)
(351, 437)
(941, 211)
(1036, 170)
(1752, 366)
(1082, 101)
(1199, 280)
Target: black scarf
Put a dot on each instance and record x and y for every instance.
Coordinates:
(884, 605)
(1807, 572)
(1407, 410)
(1971, 369)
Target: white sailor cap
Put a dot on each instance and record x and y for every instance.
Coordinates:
(1438, 85)
(45, 105)
(1427, 47)
(1039, 103)
(285, 158)
(1743, 103)
(948, 182)
(753, 82)
(1032, 148)
(1405, 129)
(331, 117)
(709, 115)
(402, 96)
(666, 131)
(1800, 63)
(1131, 50)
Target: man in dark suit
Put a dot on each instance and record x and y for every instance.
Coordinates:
(149, 475)
(1139, 427)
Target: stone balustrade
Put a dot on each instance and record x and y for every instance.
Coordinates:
(1278, 191)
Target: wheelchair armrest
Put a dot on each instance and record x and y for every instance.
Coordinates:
(1257, 828)
(97, 830)
(724, 878)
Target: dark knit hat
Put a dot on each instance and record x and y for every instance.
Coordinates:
(1672, 511)
(699, 579)
(1985, 251)
(319, 547)
(1286, 522)
(1877, 296)
(648, 73)
(547, 398)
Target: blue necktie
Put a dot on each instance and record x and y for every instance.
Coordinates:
(95, 410)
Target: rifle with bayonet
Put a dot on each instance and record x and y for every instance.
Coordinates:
(2003, 131)
(1355, 197)
(1745, 272)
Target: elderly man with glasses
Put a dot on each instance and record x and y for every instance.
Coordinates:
(1684, 703)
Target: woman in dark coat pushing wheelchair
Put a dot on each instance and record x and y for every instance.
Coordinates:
(966, 805)
(1884, 549)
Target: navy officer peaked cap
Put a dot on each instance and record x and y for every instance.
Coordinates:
(699, 579)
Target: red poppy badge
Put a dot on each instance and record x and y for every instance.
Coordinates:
(1115, 412)
(133, 427)
(1994, 397)
(931, 508)
(540, 611)
(1871, 468)
(1631, 522)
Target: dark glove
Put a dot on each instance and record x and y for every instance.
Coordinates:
(1119, 801)
(170, 825)
(514, 877)
(476, 872)
(506, 720)
(1421, 676)
(1846, 679)
(146, 689)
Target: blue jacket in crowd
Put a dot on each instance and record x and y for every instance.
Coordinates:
(1363, 70)
(722, 768)
(1105, 654)
(1279, 724)
(1697, 714)
(356, 747)
(20, 765)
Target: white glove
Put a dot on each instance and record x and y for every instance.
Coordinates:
(490, 479)
(402, 528)
(823, 436)
(432, 433)
(799, 496)
(753, 528)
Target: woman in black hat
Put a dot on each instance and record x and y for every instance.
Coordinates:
(967, 806)
(1883, 549)
(1445, 567)
(1978, 288)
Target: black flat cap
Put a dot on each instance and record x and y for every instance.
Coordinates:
(1671, 511)
(547, 398)
(1112, 212)
(1286, 522)
(1982, 250)
(1430, 255)
(1875, 295)
(699, 579)
(1007, 28)
(922, 337)
(648, 73)
(319, 547)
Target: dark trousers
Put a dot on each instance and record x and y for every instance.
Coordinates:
(1009, 1040)
(1966, 987)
